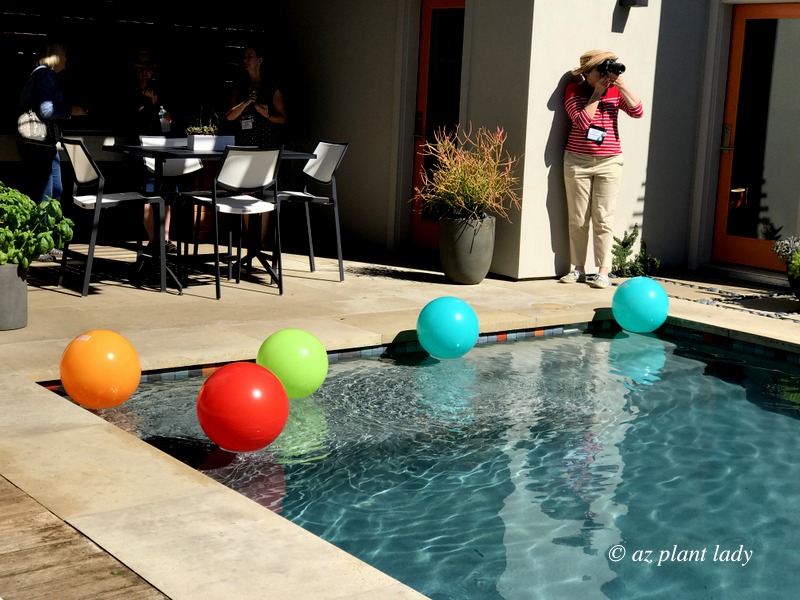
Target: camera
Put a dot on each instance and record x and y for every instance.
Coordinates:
(610, 66)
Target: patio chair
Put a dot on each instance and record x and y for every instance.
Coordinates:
(88, 178)
(172, 167)
(320, 176)
(246, 183)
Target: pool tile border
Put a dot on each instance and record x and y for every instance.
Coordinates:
(672, 331)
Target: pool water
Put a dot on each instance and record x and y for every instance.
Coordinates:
(573, 466)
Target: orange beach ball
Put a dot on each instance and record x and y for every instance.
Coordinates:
(100, 369)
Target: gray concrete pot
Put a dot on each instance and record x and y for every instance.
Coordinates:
(466, 247)
(13, 297)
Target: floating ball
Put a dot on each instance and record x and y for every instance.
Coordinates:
(447, 327)
(100, 369)
(242, 407)
(297, 358)
(640, 305)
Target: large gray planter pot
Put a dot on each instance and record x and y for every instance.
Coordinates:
(466, 247)
(13, 297)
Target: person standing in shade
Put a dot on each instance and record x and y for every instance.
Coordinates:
(256, 109)
(142, 117)
(40, 161)
(593, 159)
(44, 95)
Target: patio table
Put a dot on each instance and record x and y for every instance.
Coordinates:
(162, 153)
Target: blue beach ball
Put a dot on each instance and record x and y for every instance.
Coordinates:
(640, 305)
(447, 327)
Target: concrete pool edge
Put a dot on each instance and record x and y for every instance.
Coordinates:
(363, 309)
(675, 328)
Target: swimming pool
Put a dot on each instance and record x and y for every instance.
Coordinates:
(574, 466)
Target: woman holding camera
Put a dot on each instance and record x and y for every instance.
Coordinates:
(593, 159)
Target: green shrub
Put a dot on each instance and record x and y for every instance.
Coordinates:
(28, 229)
(641, 265)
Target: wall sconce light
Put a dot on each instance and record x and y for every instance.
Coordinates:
(633, 2)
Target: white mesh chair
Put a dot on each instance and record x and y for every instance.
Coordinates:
(320, 173)
(246, 183)
(88, 178)
(172, 167)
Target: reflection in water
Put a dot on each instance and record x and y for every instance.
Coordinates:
(563, 509)
(510, 473)
(446, 390)
(637, 357)
(305, 436)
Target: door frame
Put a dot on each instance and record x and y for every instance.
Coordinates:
(425, 232)
(728, 248)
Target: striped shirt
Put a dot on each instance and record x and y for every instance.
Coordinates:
(575, 101)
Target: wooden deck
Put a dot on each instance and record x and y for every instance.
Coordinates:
(43, 557)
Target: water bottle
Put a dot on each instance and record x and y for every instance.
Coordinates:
(164, 123)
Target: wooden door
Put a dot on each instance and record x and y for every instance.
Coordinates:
(758, 198)
(438, 94)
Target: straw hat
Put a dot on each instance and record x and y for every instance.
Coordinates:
(591, 59)
(143, 59)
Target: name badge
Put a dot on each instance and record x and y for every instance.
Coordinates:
(596, 134)
(247, 122)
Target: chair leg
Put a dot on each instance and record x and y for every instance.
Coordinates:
(239, 250)
(216, 251)
(277, 261)
(90, 254)
(196, 229)
(338, 240)
(161, 236)
(310, 242)
(63, 270)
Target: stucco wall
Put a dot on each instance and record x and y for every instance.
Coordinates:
(347, 54)
(358, 61)
(559, 38)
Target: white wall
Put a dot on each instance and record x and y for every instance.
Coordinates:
(496, 66)
(358, 59)
(559, 38)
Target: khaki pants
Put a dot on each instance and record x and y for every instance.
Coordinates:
(592, 185)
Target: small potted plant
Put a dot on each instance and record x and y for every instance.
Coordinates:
(788, 251)
(206, 136)
(27, 231)
(471, 183)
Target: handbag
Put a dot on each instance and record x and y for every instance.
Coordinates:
(31, 128)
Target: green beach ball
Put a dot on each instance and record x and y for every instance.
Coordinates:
(297, 358)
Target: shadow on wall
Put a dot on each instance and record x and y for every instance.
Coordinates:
(556, 202)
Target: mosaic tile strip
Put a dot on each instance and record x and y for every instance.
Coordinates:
(414, 347)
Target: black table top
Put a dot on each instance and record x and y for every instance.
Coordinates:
(163, 152)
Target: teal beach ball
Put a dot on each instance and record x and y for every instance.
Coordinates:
(640, 305)
(447, 327)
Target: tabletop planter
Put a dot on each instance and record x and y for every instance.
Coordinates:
(470, 184)
(206, 137)
(209, 142)
(27, 231)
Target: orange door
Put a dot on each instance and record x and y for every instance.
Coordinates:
(438, 94)
(758, 199)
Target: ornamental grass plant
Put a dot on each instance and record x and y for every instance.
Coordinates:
(472, 175)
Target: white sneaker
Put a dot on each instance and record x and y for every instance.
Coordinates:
(574, 276)
(600, 281)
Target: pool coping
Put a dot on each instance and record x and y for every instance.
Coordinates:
(164, 520)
